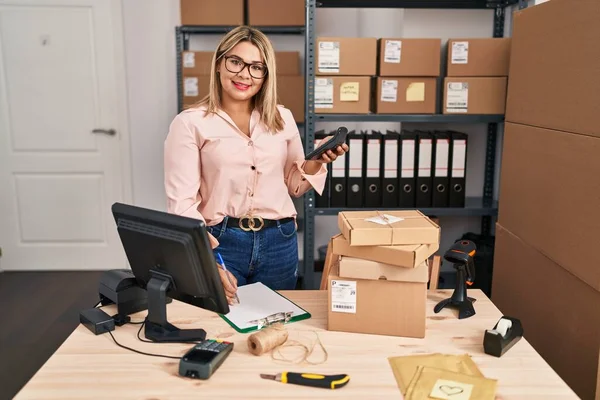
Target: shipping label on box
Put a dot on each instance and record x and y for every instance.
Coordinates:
(407, 256)
(377, 228)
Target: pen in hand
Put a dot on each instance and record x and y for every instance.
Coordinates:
(237, 299)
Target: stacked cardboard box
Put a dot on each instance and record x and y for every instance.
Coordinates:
(549, 215)
(476, 78)
(378, 272)
(231, 12)
(343, 82)
(407, 79)
(196, 79)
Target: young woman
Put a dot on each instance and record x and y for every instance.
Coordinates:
(235, 158)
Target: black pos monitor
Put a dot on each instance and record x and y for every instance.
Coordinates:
(170, 256)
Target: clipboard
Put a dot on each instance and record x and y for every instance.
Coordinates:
(261, 306)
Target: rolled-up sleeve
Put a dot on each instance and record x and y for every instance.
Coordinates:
(182, 171)
(297, 180)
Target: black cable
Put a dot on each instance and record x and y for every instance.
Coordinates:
(141, 352)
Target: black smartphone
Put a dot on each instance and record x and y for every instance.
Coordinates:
(337, 140)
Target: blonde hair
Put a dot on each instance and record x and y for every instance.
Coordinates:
(265, 101)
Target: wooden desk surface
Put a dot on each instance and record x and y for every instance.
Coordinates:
(89, 366)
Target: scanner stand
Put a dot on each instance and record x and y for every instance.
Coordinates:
(459, 298)
(157, 328)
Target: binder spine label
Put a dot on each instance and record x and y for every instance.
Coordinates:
(323, 93)
(460, 53)
(356, 162)
(338, 169)
(329, 57)
(190, 87)
(457, 97)
(393, 51)
(459, 155)
(425, 147)
(373, 157)
(391, 160)
(389, 90)
(441, 157)
(408, 159)
(343, 296)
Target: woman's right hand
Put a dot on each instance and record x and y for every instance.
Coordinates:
(230, 287)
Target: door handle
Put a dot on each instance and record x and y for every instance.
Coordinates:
(110, 132)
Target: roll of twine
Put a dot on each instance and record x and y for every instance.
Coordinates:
(275, 338)
(267, 339)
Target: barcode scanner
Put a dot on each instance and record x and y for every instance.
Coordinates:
(337, 140)
(461, 256)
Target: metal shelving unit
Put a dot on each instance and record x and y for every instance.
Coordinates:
(485, 206)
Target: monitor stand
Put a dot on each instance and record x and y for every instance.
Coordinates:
(157, 328)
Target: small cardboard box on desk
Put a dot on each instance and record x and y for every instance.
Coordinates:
(375, 287)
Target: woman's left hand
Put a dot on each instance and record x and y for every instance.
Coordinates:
(331, 155)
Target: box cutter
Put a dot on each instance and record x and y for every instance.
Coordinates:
(314, 380)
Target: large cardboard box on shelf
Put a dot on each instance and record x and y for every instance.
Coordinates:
(346, 56)
(474, 95)
(276, 12)
(291, 94)
(549, 191)
(406, 95)
(554, 81)
(343, 94)
(478, 57)
(409, 57)
(395, 307)
(211, 12)
(288, 62)
(408, 256)
(559, 312)
(385, 228)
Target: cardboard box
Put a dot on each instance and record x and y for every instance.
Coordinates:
(370, 228)
(358, 268)
(409, 57)
(276, 12)
(549, 191)
(366, 305)
(406, 95)
(343, 94)
(291, 94)
(560, 314)
(211, 12)
(346, 56)
(478, 57)
(195, 87)
(196, 62)
(288, 62)
(474, 95)
(408, 256)
(554, 81)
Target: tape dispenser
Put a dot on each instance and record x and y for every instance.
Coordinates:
(506, 333)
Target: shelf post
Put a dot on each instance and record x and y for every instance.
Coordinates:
(309, 139)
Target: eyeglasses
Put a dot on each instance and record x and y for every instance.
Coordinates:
(236, 65)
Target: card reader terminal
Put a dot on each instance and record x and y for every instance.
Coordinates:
(202, 360)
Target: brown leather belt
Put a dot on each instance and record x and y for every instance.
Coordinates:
(248, 223)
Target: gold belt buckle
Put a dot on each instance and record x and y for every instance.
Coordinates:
(251, 224)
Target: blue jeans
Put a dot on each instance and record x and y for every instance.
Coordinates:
(269, 256)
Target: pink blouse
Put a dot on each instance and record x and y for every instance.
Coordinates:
(213, 170)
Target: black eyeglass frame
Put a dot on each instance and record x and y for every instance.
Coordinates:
(246, 65)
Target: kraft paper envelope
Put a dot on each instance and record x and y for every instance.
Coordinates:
(404, 367)
(438, 384)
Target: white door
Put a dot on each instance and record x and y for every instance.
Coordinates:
(61, 78)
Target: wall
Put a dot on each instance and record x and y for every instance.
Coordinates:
(150, 47)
